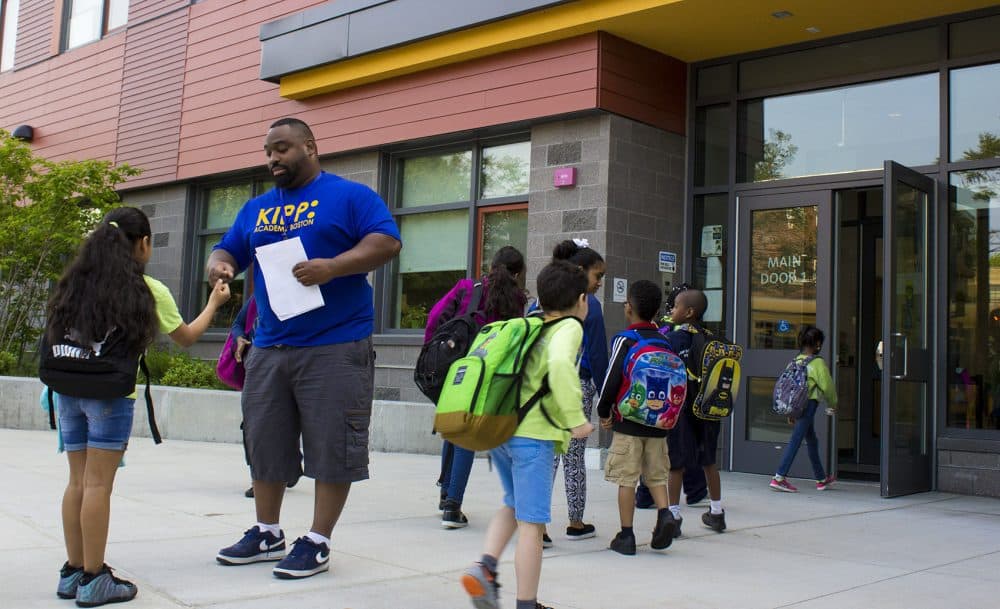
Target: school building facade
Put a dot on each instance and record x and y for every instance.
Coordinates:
(835, 164)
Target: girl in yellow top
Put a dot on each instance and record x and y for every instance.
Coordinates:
(820, 387)
(104, 290)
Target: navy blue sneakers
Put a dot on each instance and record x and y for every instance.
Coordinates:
(69, 579)
(306, 559)
(256, 546)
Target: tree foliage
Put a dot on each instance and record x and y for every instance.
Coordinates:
(778, 152)
(46, 208)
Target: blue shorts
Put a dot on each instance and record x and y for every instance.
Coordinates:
(84, 422)
(525, 469)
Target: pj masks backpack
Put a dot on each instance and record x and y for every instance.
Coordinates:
(655, 383)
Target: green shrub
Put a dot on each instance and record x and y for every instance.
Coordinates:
(158, 359)
(186, 371)
(8, 363)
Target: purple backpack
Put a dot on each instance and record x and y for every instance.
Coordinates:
(230, 371)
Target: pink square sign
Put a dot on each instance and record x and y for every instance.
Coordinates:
(564, 176)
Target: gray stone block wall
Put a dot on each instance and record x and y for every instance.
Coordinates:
(645, 207)
(166, 207)
(969, 467)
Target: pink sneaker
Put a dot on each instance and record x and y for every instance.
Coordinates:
(822, 485)
(783, 485)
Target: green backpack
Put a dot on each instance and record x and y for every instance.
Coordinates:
(480, 406)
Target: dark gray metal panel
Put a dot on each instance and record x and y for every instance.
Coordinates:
(404, 21)
(317, 14)
(316, 45)
(347, 28)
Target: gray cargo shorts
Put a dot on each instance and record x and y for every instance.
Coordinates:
(324, 395)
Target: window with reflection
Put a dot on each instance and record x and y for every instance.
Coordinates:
(973, 366)
(89, 20)
(8, 32)
(975, 122)
(783, 247)
(218, 206)
(762, 424)
(839, 130)
(454, 209)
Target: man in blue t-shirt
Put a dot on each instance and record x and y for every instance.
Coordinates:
(310, 375)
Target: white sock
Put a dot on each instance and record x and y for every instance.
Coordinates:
(317, 538)
(676, 511)
(273, 529)
(779, 477)
(715, 506)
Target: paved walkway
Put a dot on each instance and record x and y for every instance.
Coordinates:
(177, 503)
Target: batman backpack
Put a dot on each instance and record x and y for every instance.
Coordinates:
(715, 365)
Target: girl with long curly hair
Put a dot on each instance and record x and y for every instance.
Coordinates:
(103, 292)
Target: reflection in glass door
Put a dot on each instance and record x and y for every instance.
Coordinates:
(783, 283)
(906, 334)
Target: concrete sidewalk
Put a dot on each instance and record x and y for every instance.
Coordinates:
(176, 504)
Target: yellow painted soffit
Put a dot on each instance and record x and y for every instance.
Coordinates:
(530, 29)
(690, 30)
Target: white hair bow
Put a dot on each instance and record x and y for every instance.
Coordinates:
(581, 243)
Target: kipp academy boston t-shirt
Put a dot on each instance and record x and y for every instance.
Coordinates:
(330, 215)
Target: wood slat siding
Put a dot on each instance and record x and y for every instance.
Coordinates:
(142, 10)
(225, 121)
(642, 84)
(178, 91)
(36, 26)
(71, 100)
(149, 122)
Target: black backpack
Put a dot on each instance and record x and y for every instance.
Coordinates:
(449, 342)
(75, 369)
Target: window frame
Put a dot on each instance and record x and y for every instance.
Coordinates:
(197, 231)
(4, 8)
(475, 204)
(67, 15)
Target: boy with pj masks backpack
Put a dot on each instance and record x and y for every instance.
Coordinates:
(637, 448)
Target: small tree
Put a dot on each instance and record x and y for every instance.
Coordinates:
(46, 208)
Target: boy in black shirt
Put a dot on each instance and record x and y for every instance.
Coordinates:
(693, 441)
(636, 448)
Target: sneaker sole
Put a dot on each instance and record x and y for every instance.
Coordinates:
(783, 489)
(235, 561)
(107, 602)
(583, 536)
(668, 534)
(477, 593)
(66, 595)
(447, 524)
(293, 574)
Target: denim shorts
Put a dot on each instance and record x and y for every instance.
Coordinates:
(84, 422)
(525, 469)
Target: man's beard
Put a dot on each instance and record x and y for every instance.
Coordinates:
(284, 179)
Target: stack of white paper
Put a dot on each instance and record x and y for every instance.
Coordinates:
(287, 296)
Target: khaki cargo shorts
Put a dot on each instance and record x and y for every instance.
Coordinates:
(632, 456)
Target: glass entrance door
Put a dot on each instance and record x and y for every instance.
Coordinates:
(907, 420)
(783, 283)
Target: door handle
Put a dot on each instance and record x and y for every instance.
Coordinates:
(906, 355)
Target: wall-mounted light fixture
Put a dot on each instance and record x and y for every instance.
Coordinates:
(24, 132)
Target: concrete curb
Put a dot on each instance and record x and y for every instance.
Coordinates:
(210, 415)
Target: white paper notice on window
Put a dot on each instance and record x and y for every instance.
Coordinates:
(287, 296)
